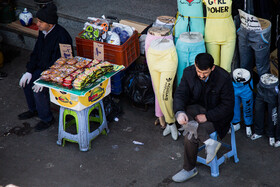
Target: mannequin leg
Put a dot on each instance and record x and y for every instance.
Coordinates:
(227, 52)
(165, 95)
(236, 117)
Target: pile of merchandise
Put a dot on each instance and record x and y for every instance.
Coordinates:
(76, 72)
(102, 30)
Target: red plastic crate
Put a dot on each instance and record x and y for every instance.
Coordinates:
(123, 54)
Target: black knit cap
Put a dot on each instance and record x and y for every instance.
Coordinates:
(48, 14)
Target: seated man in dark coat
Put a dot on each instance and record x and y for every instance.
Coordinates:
(45, 53)
(205, 97)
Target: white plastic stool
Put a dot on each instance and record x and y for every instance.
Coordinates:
(83, 136)
(215, 163)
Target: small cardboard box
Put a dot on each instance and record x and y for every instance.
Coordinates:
(137, 25)
(77, 102)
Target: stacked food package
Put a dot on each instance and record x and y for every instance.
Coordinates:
(76, 72)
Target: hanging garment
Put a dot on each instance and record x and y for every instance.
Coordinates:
(189, 17)
(163, 61)
(152, 34)
(255, 44)
(243, 92)
(188, 46)
(220, 32)
(267, 96)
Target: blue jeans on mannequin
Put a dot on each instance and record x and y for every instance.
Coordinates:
(243, 93)
(38, 101)
(186, 55)
(267, 96)
(254, 44)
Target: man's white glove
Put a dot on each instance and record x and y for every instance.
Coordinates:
(182, 118)
(36, 88)
(190, 129)
(25, 78)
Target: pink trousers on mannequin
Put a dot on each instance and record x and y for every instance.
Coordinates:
(148, 41)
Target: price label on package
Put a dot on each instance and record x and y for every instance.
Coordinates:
(66, 50)
(249, 21)
(98, 51)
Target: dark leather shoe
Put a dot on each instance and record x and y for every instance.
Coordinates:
(27, 115)
(43, 125)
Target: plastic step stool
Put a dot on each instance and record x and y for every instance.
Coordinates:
(215, 163)
(82, 120)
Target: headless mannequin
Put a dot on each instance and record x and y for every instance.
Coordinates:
(254, 43)
(243, 92)
(188, 46)
(164, 21)
(155, 33)
(162, 62)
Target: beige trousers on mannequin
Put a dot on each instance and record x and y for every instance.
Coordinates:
(163, 62)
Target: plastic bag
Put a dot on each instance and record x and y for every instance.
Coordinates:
(138, 85)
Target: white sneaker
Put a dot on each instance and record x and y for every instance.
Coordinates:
(255, 136)
(167, 130)
(277, 143)
(271, 141)
(184, 175)
(174, 131)
(248, 131)
(211, 147)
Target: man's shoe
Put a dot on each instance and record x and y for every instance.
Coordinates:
(27, 115)
(255, 136)
(211, 150)
(167, 130)
(174, 131)
(184, 175)
(43, 125)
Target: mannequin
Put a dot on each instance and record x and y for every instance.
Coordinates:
(254, 43)
(189, 17)
(165, 21)
(162, 63)
(155, 33)
(220, 32)
(267, 96)
(243, 91)
(188, 46)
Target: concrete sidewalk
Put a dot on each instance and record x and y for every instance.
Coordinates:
(36, 160)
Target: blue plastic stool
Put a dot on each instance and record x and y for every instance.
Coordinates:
(82, 119)
(215, 163)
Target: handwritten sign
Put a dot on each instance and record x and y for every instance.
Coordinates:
(249, 22)
(65, 50)
(98, 51)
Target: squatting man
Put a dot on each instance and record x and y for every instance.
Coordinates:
(203, 103)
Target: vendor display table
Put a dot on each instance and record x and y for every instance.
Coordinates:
(79, 104)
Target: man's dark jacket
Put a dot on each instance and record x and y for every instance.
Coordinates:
(216, 95)
(46, 50)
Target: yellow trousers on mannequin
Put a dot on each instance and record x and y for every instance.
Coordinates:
(163, 62)
(222, 52)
